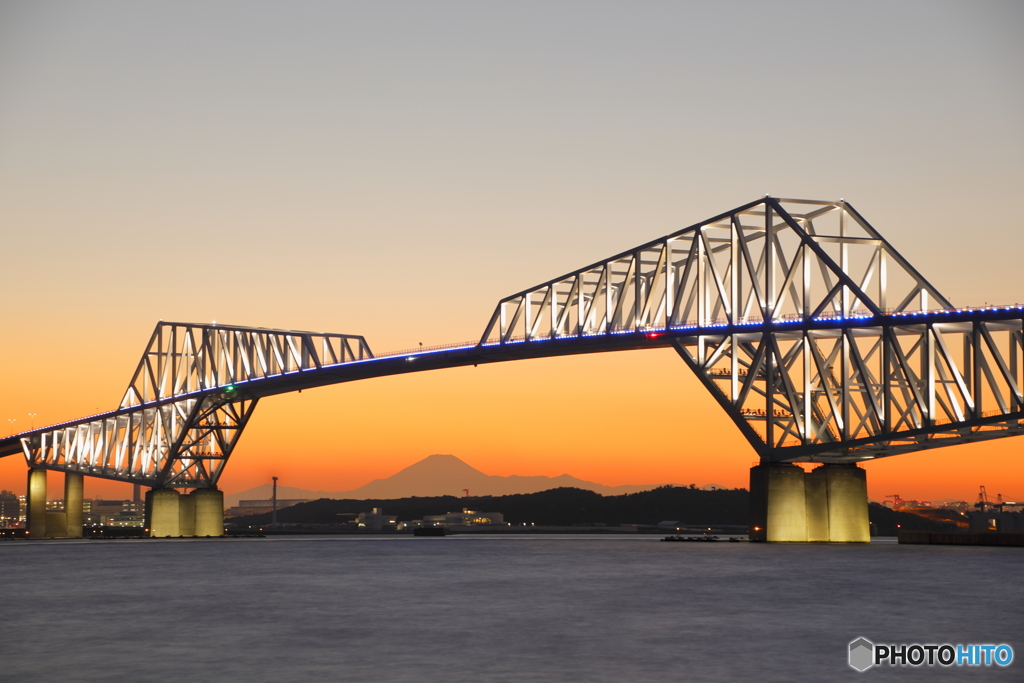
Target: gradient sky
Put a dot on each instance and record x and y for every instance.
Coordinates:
(393, 169)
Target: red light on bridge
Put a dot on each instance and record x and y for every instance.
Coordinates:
(654, 335)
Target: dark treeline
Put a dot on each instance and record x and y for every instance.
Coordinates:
(571, 506)
(555, 507)
(886, 521)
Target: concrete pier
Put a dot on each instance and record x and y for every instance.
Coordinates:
(827, 505)
(209, 510)
(73, 491)
(162, 512)
(777, 501)
(847, 504)
(187, 514)
(35, 503)
(816, 496)
(199, 513)
(56, 525)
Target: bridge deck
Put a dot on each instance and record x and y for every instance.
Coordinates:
(958, 320)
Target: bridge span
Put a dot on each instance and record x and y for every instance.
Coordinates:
(822, 343)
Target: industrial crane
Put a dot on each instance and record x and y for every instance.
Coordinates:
(983, 502)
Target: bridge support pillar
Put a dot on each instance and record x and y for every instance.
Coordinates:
(778, 508)
(209, 507)
(826, 505)
(35, 503)
(43, 524)
(162, 514)
(187, 514)
(73, 490)
(816, 497)
(847, 504)
(56, 525)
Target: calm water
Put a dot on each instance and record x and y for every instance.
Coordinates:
(484, 608)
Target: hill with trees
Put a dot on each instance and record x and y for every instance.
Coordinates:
(575, 507)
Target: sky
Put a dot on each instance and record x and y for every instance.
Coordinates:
(394, 169)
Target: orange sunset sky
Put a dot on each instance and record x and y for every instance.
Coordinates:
(394, 170)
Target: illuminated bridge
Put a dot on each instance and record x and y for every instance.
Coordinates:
(821, 342)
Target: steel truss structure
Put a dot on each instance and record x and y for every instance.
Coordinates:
(187, 403)
(815, 335)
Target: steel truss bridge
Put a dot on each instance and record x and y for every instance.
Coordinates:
(820, 341)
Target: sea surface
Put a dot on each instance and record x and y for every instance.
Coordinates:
(493, 608)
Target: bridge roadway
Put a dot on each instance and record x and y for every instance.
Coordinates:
(461, 355)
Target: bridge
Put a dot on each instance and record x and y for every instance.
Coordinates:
(821, 342)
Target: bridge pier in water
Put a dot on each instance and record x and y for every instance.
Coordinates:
(826, 505)
(170, 513)
(209, 512)
(74, 488)
(187, 514)
(35, 503)
(54, 524)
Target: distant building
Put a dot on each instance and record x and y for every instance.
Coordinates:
(100, 507)
(376, 520)
(10, 509)
(896, 502)
(465, 518)
(999, 521)
(123, 520)
(98, 512)
(412, 524)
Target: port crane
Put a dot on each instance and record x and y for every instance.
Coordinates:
(983, 501)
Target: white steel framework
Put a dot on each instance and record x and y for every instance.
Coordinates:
(817, 337)
(187, 403)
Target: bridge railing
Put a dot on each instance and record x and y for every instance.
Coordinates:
(427, 349)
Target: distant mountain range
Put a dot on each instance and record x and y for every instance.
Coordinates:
(438, 475)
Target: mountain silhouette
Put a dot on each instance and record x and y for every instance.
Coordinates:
(439, 475)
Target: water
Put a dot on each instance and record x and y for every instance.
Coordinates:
(490, 608)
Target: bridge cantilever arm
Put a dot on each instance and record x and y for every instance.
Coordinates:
(840, 274)
(898, 257)
(490, 325)
(752, 436)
